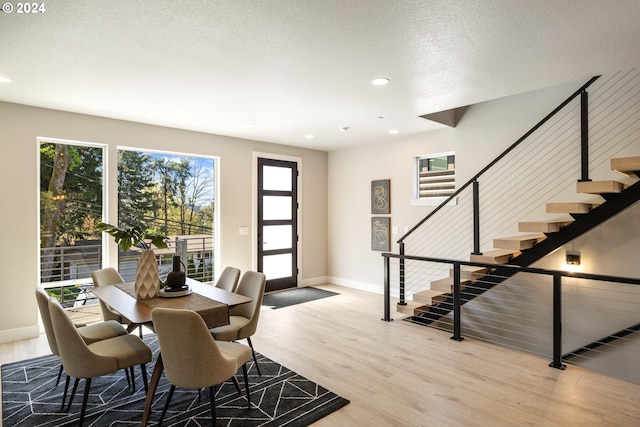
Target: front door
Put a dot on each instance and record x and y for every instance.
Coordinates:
(277, 229)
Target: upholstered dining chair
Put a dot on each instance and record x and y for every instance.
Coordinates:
(192, 358)
(89, 333)
(86, 361)
(110, 276)
(228, 280)
(243, 319)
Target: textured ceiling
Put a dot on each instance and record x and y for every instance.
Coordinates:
(297, 67)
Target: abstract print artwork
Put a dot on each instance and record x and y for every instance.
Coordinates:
(380, 203)
(380, 233)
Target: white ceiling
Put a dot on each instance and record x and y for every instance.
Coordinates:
(297, 67)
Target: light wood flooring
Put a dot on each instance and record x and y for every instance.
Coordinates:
(400, 374)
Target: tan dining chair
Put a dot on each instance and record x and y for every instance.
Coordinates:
(110, 276)
(228, 280)
(89, 333)
(86, 361)
(192, 358)
(243, 319)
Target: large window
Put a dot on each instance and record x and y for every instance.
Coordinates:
(164, 193)
(173, 195)
(71, 193)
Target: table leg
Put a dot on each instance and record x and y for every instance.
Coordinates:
(155, 378)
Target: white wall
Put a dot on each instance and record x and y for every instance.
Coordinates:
(518, 312)
(484, 132)
(20, 126)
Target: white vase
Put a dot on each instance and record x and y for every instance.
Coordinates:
(147, 284)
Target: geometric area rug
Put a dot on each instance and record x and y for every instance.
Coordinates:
(279, 397)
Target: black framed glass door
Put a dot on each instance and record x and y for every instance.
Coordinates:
(277, 228)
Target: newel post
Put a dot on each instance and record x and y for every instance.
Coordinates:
(456, 303)
(387, 290)
(557, 323)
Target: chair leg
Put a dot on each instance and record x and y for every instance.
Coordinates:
(66, 387)
(144, 377)
(59, 375)
(237, 384)
(254, 355)
(126, 371)
(73, 393)
(246, 384)
(133, 379)
(87, 386)
(166, 405)
(212, 404)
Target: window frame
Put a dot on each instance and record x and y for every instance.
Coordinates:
(436, 199)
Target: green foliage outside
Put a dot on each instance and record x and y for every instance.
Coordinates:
(161, 194)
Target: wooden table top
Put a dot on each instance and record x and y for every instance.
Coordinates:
(139, 312)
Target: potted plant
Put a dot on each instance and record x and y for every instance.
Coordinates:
(147, 284)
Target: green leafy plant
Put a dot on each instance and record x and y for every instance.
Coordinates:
(133, 236)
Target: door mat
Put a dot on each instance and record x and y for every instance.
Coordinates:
(295, 296)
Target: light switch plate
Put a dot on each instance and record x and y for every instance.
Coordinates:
(244, 230)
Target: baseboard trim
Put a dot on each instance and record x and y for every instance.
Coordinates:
(313, 281)
(17, 334)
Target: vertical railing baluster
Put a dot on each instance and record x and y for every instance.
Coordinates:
(557, 323)
(402, 290)
(584, 135)
(456, 303)
(476, 217)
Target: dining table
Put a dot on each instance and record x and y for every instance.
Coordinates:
(211, 303)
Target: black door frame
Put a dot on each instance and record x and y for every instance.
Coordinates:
(289, 281)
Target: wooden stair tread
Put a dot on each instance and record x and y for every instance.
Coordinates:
(446, 284)
(626, 165)
(430, 297)
(497, 256)
(599, 187)
(570, 207)
(412, 308)
(523, 241)
(546, 226)
(469, 272)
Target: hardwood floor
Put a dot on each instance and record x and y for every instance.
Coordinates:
(401, 374)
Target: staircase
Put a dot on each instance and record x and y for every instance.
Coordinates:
(541, 238)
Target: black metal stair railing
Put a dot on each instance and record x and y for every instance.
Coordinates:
(457, 298)
(614, 204)
(473, 182)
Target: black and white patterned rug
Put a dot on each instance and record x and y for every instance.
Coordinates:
(279, 397)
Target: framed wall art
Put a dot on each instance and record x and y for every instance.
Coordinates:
(380, 233)
(380, 197)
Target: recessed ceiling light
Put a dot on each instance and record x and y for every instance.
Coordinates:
(4, 80)
(344, 128)
(308, 136)
(250, 125)
(381, 81)
(394, 131)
